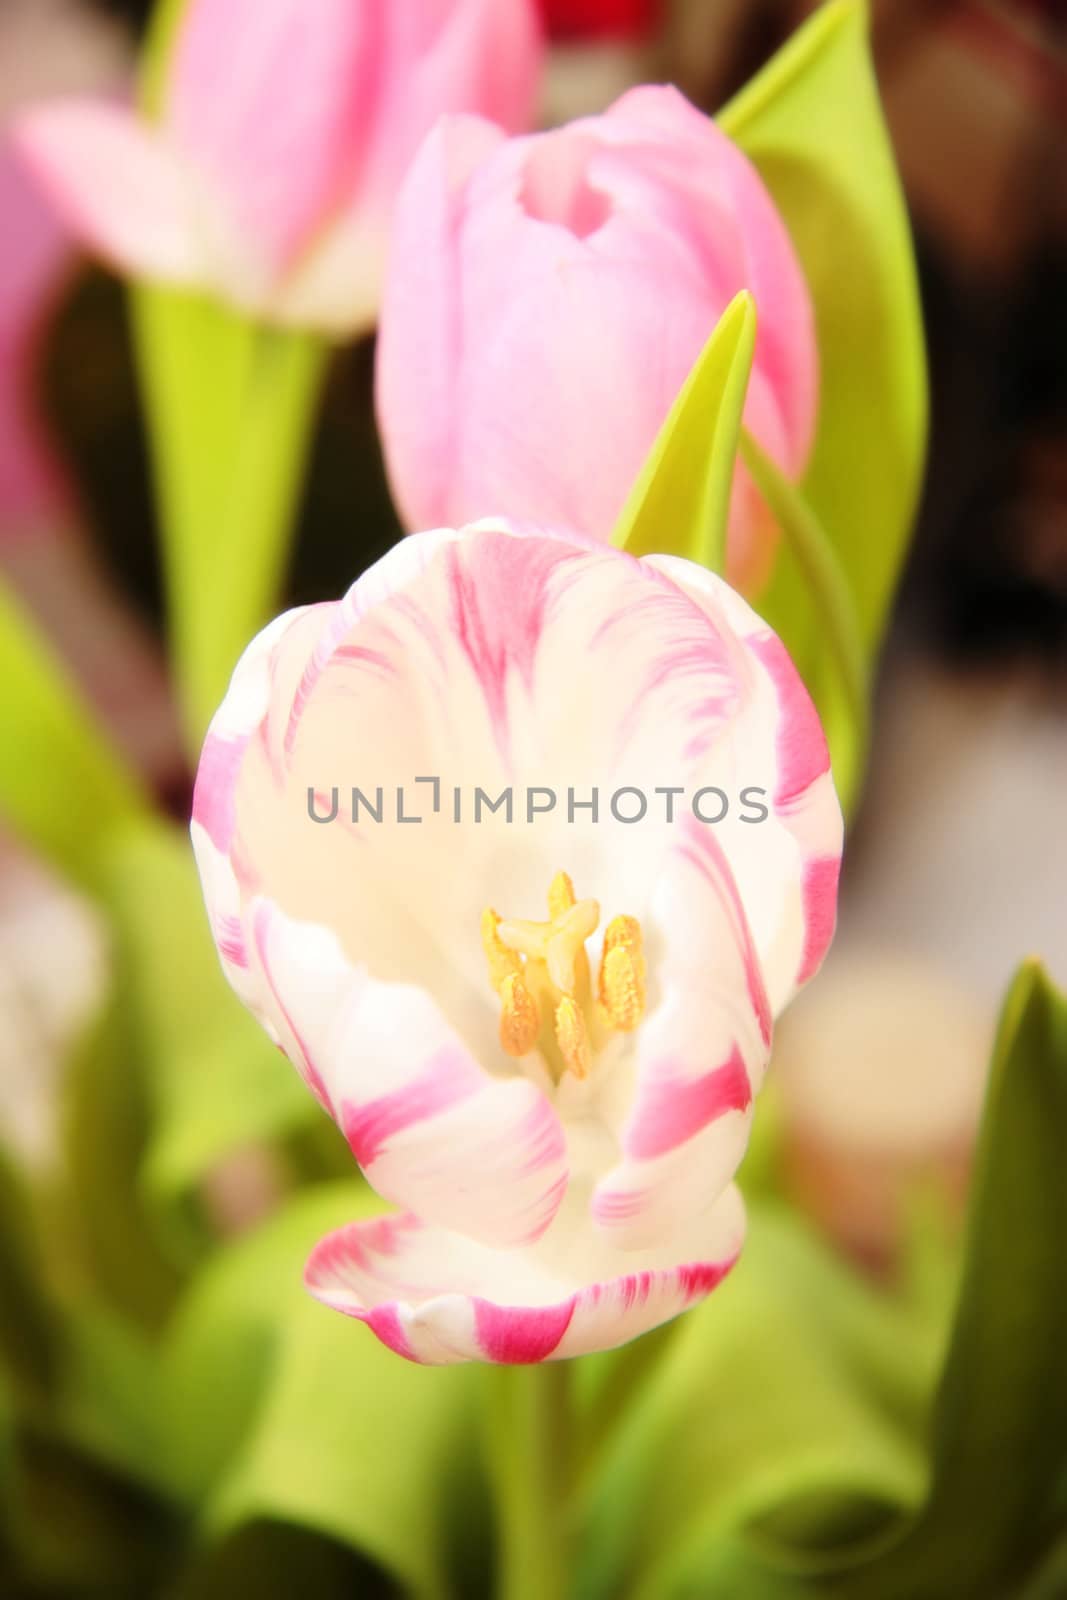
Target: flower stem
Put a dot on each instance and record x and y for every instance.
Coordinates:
(530, 1464)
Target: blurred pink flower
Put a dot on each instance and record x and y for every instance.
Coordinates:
(286, 132)
(557, 1104)
(547, 297)
(33, 264)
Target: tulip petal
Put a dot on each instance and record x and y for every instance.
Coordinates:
(786, 868)
(437, 1298)
(701, 1051)
(416, 377)
(123, 192)
(432, 1131)
(271, 103)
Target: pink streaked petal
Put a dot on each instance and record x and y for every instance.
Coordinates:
(820, 912)
(779, 747)
(437, 1298)
(222, 897)
(243, 710)
(672, 1104)
(802, 751)
(124, 193)
(701, 1051)
(432, 1131)
(273, 105)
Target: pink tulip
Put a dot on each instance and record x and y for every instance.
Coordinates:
(33, 264)
(546, 299)
(540, 1030)
(286, 132)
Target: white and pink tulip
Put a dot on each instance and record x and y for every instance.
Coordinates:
(285, 134)
(541, 1038)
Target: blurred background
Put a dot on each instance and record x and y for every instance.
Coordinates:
(958, 864)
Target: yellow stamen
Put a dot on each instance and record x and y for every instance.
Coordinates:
(572, 1037)
(503, 963)
(520, 1021)
(561, 895)
(540, 970)
(621, 983)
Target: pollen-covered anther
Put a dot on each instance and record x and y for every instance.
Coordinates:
(572, 1036)
(621, 983)
(561, 895)
(503, 963)
(520, 1019)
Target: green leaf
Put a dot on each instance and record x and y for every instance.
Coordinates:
(812, 123)
(845, 708)
(117, 1248)
(27, 1345)
(283, 1409)
(680, 502)
(275, 1561)
(795, 1386)
(62, 786)
(213, 1079)
(999, 1446)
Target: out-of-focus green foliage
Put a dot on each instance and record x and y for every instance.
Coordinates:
(62, 787)
(27, 1351)
(280, 1408)
(793, 1386)
(212, 1078)
(812, 123)
(680, 502)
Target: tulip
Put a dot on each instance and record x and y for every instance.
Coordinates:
(540, 1036)
(546, 299)
(286, 132)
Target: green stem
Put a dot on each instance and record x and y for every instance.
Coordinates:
(231, 404)
(832, 603)
(530, 1464)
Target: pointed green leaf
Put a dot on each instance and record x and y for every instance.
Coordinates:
(680, 502)
(63, 788)
(812, 123)
(999, 1444)
(311, 1421)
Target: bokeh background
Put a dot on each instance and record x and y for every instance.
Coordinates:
(957, 867)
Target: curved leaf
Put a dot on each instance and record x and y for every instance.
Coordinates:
(812, 123)
(680, 502)
(282, 1409)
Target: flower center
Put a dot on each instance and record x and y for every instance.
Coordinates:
(541, 972)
